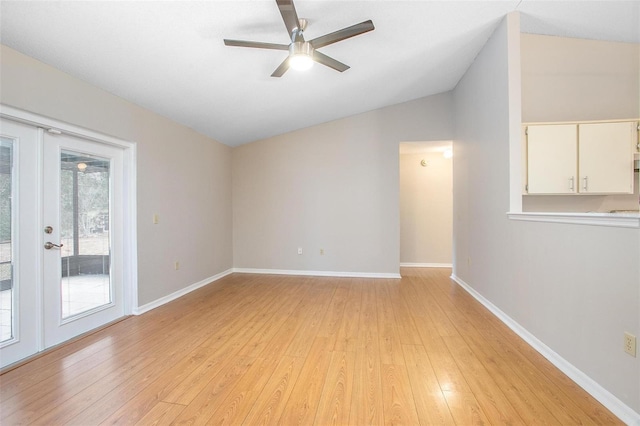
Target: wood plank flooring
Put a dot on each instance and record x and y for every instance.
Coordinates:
(267, 349)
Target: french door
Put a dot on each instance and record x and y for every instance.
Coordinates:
(82, 262)
(19, 248)
(61, 237)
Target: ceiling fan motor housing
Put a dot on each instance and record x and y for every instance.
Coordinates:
(301, 48)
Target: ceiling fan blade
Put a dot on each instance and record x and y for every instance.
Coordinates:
(342, 34)
(330, 62)
(256, 44)
(284, 66)
(290, 17)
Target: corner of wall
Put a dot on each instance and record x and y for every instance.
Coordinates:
(515, 111)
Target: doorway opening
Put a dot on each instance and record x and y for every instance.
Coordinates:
(426, 204)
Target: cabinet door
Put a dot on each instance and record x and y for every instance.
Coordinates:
(606, 158)
(552, 159)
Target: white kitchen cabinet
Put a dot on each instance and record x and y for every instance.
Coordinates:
(606, 157)
(551, 159)
(582, 158)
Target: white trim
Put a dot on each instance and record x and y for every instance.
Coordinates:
(606, 398)
(51, 123)
(316, 273)
(618, 220)
(177, 294)
(38, 255)
(425, 265)
(130, 245)
(617, 120)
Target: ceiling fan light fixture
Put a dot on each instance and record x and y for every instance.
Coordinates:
(300, 62)
(302, 53)
(300, 56)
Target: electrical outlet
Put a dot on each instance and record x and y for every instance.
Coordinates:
(177, 265)
(156, 219)
(299, 250)
(630, 344)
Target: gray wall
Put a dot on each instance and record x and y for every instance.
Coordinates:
(569, 79)
(182, 175)
(333, 186)
(574, 287)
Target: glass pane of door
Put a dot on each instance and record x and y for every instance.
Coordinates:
(7, 292)
(84, 232)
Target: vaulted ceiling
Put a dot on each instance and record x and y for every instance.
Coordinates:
(169, 57)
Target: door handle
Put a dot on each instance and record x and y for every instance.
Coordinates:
(49, 245)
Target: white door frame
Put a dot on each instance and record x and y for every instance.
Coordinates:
(130, 254)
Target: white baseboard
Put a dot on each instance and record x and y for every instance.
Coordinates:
(317, 273)
(425, 265)
(606, 398)
(173, 296)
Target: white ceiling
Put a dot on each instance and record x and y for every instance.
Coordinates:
(168, 56)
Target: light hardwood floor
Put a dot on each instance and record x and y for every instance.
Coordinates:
(266, 349)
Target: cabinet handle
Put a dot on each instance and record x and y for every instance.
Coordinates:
(571, 183)
(585, 181)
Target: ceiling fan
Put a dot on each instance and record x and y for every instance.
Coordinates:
(303, 53)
